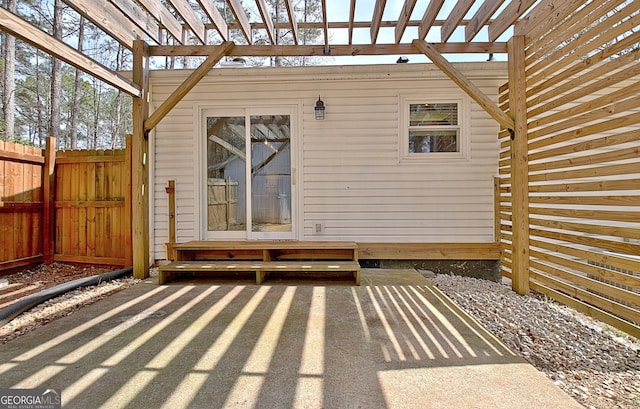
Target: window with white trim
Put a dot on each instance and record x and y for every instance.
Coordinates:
(432, 129)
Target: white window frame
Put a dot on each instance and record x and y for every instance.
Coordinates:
(463, 128)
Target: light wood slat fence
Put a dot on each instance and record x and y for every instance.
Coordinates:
(583, 110)
(80, 214)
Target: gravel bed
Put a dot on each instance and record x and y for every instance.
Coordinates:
(61, 306)
(597, 365)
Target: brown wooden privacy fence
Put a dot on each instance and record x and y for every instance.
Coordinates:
(21, 205)
(81, 213)
(582, 158)
(93, 207)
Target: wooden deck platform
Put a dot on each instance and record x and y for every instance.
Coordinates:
(262, 258)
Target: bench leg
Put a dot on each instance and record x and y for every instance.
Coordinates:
(164, 277)
(260, 276)
(356, 276)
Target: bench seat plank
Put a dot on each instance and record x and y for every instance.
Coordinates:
(261, 268)
(264, 244)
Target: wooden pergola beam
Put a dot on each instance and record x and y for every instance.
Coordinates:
(482, 16)
(352, 16)
(336, 50)
(429, 18)
(216, 18)
(188, 84)
(109, 19)
(378, 11)
(156, 9)
(454, 19)
(509, 15)
(325, 23)
(317, 25)
(140, 18)
(266, 18)
(465, 84)
(293, 22)
(190, 18)
(241, 18)
(30, 34)
(403, 19)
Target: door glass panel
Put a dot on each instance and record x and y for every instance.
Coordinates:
(270, 173)
(226, 170)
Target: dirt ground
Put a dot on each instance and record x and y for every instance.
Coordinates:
(17, 286)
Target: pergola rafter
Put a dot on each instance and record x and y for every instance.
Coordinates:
(241, 18)
(378, 10)
(266, 17)
(32, 35)
(403, 20)
(508, 17)
(293, 22)
(149, 20)
(216, 18)
(456, 16)
(163, 16)
(429, 18)
(352, 14)
(481, 18)
(140, 18)
(110, 19)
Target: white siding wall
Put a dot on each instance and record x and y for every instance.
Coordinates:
(353, 181)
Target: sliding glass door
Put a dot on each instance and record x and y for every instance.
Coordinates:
(249, 191)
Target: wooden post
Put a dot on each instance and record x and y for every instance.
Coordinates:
(128, 242)
(496, 209)
(48, 184)
(519, 165)
(171, 190)
(139, 163)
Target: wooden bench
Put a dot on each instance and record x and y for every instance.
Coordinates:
(262, 258)
(260, 268)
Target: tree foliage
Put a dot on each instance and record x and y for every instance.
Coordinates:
(103, 114)
(87, 113)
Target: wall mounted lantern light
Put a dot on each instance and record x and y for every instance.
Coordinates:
(319, 108)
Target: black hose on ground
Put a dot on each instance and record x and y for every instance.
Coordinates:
(12, 311)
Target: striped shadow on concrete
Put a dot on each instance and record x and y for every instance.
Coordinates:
(393, 342)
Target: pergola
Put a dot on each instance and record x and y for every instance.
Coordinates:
(568, 203)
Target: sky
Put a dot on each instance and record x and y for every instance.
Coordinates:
(339, 11)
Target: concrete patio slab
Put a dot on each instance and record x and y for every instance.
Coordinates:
(393, 342)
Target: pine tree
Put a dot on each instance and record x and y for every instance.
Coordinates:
(8, 79)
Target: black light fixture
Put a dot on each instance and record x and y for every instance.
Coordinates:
(319, 108)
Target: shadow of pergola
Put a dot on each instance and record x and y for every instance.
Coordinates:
(283, 346)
